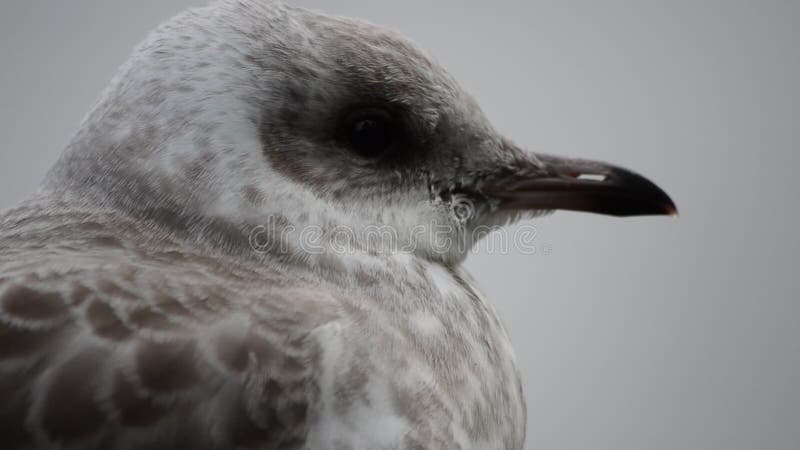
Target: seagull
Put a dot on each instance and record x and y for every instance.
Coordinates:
(255, 241)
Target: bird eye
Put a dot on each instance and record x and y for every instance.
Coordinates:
(371, 134)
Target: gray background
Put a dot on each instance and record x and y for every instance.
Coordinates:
(648, 333)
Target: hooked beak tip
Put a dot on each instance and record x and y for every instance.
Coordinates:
(672, 211)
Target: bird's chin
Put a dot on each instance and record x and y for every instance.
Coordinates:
(465, 220)
(502, 217)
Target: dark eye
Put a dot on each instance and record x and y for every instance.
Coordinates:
(371, 134)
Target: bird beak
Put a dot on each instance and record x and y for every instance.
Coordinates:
(578, 185)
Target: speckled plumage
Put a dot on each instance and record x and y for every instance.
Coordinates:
(135, 311)
(115, 335)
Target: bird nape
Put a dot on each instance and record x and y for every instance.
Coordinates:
(255, 241)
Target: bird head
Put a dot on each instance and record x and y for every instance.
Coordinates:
(249, 113)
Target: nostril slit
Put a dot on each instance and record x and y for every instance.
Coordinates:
(592, 177)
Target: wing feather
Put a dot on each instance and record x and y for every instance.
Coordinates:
(156, 355)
